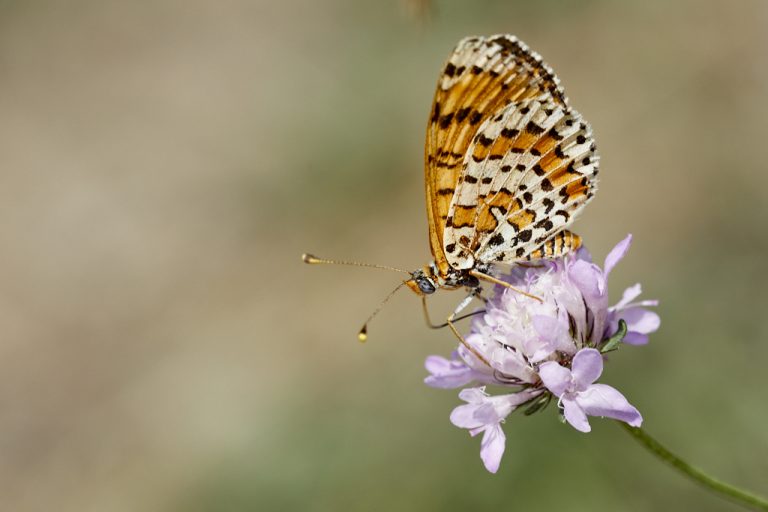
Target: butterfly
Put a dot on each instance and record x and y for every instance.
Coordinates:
(508, 164)
(508, 167)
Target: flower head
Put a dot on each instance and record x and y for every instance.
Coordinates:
(551, 347)
(578, 395)
(484, 413)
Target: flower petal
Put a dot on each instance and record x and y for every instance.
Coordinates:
(512, 364)
(575, 415)
(588, 278)
(641, 320)
(463, 416)
(473, 395)
(446, 373)
(603, 400)
(492, 447)
(629, 295)
(586, 367)
(616, 254)
(546, 326)
(486, 414)
(554, 335)
(437, 364)
(555, 378)
(635, 338)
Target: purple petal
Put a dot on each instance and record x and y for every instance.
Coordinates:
(616, 254)
(586, 367)
(486, 414)
(473, 395)
(492, 447)
(463, 416)
(629, 295)
(512, 364)
(496, 408)
(514, 399)
(641, 320)
(437, 364)
(555, 378)
(603, 400)
(554, 335)
(575, 416)
(635, 338)
(588, 278)
(549, 332)
(583, 254)
(446, 373)
(546, 326)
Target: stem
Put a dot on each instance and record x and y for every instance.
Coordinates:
(728, 491)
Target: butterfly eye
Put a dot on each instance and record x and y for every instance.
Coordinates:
(425, 285)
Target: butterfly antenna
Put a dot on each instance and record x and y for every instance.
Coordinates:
(314, 260)
(362, 335)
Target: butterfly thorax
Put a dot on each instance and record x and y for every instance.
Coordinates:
(429, 279)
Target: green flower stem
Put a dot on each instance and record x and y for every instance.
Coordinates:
(728, 491)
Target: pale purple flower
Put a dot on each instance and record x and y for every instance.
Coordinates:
(640, 321)
(520, 338)
(484, 413)
(451, 373)
(580, 397)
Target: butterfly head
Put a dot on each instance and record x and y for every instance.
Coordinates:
(422, 281)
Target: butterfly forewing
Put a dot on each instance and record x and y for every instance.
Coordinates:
(481, 76)
(509, 164)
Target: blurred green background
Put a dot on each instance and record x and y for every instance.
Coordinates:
(164, 164)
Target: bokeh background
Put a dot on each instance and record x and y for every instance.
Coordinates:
(164, 164)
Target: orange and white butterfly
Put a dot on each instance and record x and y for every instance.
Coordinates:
(509, 165)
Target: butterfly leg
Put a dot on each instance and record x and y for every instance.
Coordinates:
(475, 294)
(491, 279)
(453, 318)
(464, 342)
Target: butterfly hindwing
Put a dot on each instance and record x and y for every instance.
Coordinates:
(527, 174)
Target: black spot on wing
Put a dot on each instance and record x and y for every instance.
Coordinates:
(436, 112)
(462, 114)
(533, 128)
(496, 239)
(483, 140)
(509, 133)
